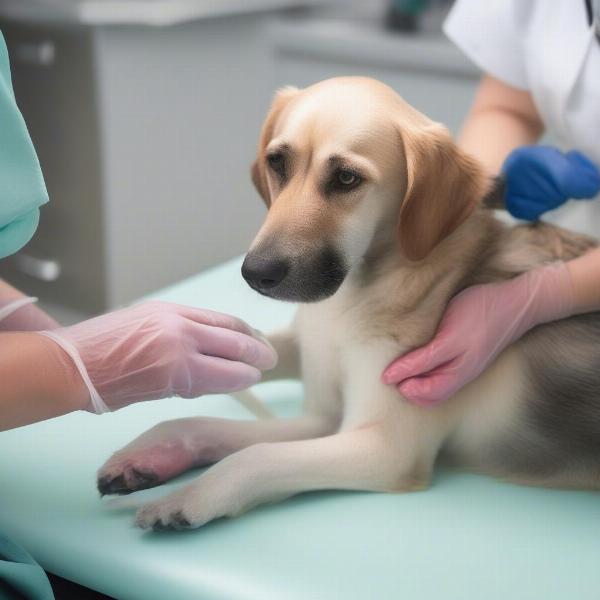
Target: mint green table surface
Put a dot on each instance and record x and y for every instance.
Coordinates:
(466, 537)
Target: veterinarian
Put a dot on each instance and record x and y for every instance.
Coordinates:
(150, 351)
(542, 72)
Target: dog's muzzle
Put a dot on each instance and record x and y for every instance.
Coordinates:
(302, 279)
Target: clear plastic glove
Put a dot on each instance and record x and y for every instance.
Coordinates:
(478, 324)
(541, 178)
(158, 349)
(21, 314)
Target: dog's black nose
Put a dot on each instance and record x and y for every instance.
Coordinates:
(264, 273)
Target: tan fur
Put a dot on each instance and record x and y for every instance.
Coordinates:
(444, 186)
(258, 169)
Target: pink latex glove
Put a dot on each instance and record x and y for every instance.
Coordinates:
(19, 313)
(478, 324)
(158, 349)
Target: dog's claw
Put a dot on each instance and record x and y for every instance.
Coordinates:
(180, 521)
(112, 485)
(127, 482)
(160, 526)
(144, 479)
(160, 518)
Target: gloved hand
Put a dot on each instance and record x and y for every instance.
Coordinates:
(20, 314)
(540, 178)
(478, 324)
(158, 349)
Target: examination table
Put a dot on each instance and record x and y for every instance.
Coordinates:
(465, 537)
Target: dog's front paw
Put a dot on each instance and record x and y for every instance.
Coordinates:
(128, 472)
(188, 508)
(228, 489)
(158, 455)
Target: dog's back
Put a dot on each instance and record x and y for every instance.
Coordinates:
(514, 250)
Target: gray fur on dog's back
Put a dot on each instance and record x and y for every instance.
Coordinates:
(563, 392)
(558, 438)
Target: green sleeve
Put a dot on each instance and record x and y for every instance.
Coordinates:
(21, 578)
(22, 188)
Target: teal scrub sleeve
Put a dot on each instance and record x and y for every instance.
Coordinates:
(22, 188)
(20, 576)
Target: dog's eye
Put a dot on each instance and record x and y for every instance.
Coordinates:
(347, 179)
(277, 163)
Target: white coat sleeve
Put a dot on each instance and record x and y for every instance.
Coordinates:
(491, 33)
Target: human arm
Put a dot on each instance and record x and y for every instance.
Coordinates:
(499, 130)
(38, 382)
(144, 352)
(482, 320)
(500, 119)
(18, 312)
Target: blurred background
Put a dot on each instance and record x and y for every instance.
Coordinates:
(145, 115)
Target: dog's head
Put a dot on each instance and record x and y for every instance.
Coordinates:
(339, 162)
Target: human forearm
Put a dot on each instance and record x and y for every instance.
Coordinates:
(27, 317)
(500, 120)
(8, 292)
(38, 380)
(503, 128)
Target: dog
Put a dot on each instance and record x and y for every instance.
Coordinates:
(375, 221)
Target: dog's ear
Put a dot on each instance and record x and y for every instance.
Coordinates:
(258, 170)
(443, 187)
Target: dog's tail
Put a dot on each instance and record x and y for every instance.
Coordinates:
(252, 403)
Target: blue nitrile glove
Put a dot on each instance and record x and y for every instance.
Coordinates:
(540, 178)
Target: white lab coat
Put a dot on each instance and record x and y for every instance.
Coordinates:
(547, 48)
